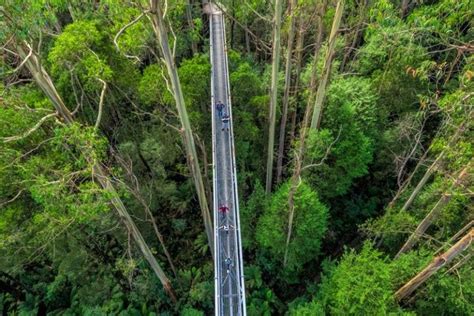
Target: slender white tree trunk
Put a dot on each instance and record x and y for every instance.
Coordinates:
(299, 154)
(321, 94)
(437, 263)
(273, 93)
(159, 27)
(286, 95)
(433, 214)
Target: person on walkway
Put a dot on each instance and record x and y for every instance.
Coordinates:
(220, 108)
(226, 228)
(228, 263)
(223, 209)
(225, 122)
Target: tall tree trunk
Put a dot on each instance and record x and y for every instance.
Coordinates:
(296, 178)
(299, 155)
(43, 80)
(317, 48)
(433, 214)
(437, 263)
(273, 93)
(298, 61)
(286, 95)
(189, 18)
(160, 30)
(318, 105)
(432, 168)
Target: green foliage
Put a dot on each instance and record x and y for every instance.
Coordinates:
(250, 211)
(405, 89)
(363, 284)
(359, 285)
(309, 226)
(450, 294)
(343, 148)
(309, 309)
(152, 88)
(260, 299)
(74, 49)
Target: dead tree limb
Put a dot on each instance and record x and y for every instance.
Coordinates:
(436, 264)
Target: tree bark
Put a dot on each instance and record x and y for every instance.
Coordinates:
(43, 80)
(317, 48)
(299, 55)
(299, 155)
(436, 264)
(286, 95)
(273, 93)
(159, 28)
(431, 216)
(318, 105)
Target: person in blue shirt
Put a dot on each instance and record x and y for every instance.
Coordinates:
(220, 108)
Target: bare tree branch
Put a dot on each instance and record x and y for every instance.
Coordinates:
(101, 103)
(326, 154)
(125, 27)
(30, 131)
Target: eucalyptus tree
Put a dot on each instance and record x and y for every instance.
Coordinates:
(299, 153)
(23, 45)
(43, 80)
(321, 92)
(310, 226)
(160, 29)
(292, 11)
(273, 92)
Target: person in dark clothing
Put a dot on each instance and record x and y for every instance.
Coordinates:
(225, 122)
(228, 263)
(220, 108)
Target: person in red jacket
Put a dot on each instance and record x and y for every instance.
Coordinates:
(223, 209)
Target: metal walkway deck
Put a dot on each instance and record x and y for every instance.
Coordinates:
(228, 262)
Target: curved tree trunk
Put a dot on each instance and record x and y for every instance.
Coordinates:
(273, 93)
(159, 28)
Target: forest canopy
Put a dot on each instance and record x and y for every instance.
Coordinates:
(352, 124)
